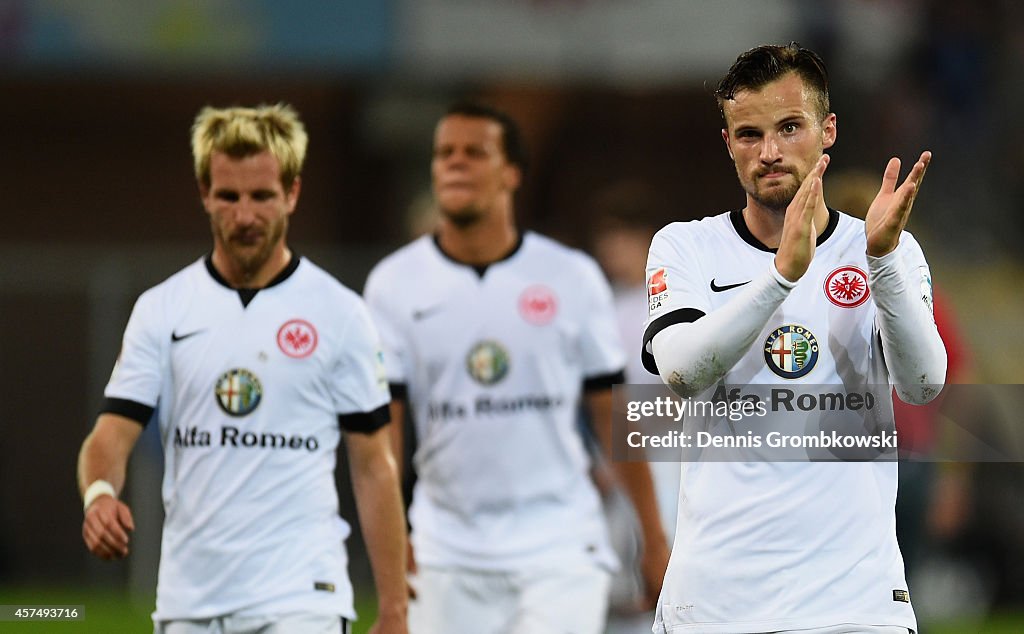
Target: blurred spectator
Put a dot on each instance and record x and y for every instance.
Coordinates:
(625, 217)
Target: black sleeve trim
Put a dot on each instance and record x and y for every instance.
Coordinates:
(604, 381)
(399, 391)
(134, 410)
(678, 316)
(365, 422)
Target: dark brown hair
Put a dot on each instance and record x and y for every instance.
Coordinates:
(511, 139)
(764, 64)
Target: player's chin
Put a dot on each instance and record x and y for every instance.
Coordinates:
(775, 198)
(460, 214)
(248, 256)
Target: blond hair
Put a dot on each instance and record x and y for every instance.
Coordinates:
(240, 132)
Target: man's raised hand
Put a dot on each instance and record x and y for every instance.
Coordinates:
(799, 235)
(890, 209)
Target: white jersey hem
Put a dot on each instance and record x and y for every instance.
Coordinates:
(775, 625)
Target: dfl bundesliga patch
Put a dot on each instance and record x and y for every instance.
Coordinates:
(927, 290)
(657, 290)
(379, 370)
(791, 351)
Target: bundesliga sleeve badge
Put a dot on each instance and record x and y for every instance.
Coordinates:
(927, 290)
(657, 290)
(847, 287)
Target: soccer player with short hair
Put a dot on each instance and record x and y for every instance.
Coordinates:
(789, 291)
(256, 361)
(494, 336)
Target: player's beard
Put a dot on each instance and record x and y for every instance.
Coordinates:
(462, 217)
(778, 197)
(250, 249)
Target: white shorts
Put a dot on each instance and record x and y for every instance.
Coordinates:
(459, 601)
(852, 629)
(281, 624)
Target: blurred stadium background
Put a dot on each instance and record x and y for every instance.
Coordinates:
(101, 202)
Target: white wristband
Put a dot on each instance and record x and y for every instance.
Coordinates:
(95, 490)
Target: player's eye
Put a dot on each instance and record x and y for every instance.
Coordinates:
(226, 196)
(790, 128)
(262, 195)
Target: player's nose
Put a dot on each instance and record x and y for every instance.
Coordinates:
(770, 151)
(456, 160)
(244, 214)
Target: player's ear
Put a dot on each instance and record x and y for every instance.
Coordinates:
(828, 131)
(204, 194)
(512, 177)
(291, 196)
(728, 145)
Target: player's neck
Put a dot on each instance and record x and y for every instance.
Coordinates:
(480, 243)
(766, 223)
(238, 275)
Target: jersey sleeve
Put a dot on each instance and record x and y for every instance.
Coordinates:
(134, 386)
(360, 389)
(918, 272)
(604, 359)
(386, 317)
(675, 286)
(913, 350)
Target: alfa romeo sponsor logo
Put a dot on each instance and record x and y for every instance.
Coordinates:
(238, 392)
(487, 362)
(538, 305)
(791, 351)
(297, 338)
(847, 287)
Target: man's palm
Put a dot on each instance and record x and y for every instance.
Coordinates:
(890, 210)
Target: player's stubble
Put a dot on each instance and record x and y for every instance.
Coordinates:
(774, 197)
(249, 248)
(463, 217)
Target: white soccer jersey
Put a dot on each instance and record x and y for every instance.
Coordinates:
(763, 546)
(494, 362)
(250, 389)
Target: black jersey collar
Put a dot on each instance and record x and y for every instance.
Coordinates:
(247, 294)
(479, 268)
(740, 224)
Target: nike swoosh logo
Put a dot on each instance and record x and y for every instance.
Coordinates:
(728, 287)
(426, 312)
(175, 337)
